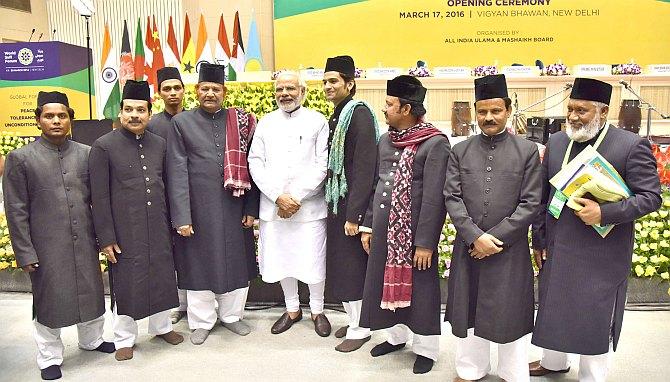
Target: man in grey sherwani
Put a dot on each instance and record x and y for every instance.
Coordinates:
(47, 201)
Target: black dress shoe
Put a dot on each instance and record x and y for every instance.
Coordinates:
(422, 365)
(51, 372)
(321, 325)
(106, 347)
(385, 348)
(285, 322)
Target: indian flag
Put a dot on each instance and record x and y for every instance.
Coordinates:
(222, 50)
(202, 49)
(110, 94)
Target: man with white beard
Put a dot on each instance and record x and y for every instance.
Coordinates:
(287, 160)
(583, 276)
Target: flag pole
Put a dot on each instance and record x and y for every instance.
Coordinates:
(88, 70)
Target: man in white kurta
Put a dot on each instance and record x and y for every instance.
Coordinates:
(287, 161)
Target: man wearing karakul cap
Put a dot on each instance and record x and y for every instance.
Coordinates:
(583, 276)
(213, 204)
(352, 158)
(402, 228)
(171, 90)
(492, 195)
(47, 201)
(132, 224)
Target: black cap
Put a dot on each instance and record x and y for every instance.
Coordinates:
(211, 73)
(406, 87)
(491, 86)
(52, 97)
(168, 73)
(138, 90)
(341, 64)
(591, 90)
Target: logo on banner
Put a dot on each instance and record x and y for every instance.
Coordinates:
(109, 75)
(26, 56)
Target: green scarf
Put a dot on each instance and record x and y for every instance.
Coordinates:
(336, 187)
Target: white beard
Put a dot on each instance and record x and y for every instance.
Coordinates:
(587, 132)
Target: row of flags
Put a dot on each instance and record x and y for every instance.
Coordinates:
(150, 55)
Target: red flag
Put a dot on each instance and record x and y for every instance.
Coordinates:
(149, 71)
(172, 57)
(159, 61)
(223, 38)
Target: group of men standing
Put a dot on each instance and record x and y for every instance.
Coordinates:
(340, 207)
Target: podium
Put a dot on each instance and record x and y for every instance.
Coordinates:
(30, 67)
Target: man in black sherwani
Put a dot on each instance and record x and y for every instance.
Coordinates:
(132, 223)
(492, 195)
(171, 90)
(584, 277)
(352, 144)
(402, 228)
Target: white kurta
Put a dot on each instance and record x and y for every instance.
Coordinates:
(289, 154)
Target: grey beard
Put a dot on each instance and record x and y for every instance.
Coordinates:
(289, 107)
(586, 132)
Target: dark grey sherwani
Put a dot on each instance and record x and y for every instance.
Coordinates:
(161, 124)
(129, 208)
(47, 202)
(220, 256)
(428, 213)
(583, 282)
(493, 186)
(346, 260)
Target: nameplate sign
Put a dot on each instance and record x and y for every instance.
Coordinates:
(312, 74)
(659, 69)
(593, 70)
(383, 73)
(452, 72)
(521, 71)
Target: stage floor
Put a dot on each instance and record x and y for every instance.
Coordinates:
(296, 354)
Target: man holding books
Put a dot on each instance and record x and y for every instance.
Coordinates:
(583, 275)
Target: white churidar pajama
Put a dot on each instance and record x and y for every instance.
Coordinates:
(592, 368)
(473, 358)
(182, 300)
(427, 346)
(202, 307)
(290, 287)
(125, 328)
(353, 309)
(49, 344)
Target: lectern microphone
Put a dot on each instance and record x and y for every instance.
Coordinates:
(31, 35)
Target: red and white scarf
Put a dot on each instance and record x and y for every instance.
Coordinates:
(397, 291)
(240, 126)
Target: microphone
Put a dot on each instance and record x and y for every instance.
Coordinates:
(39, 38)
(567, 86)
(624, 83)
(31, 35)
(53, 35)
